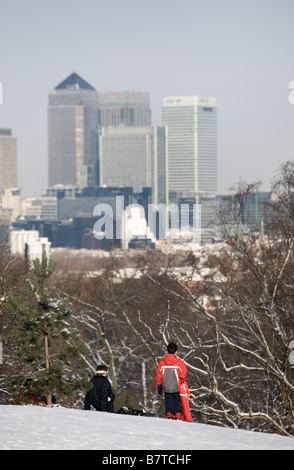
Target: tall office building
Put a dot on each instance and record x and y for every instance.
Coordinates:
(8, 161)
(128, 108)
(136, 157)
(72, 133)
(132, 152)
(192, 143)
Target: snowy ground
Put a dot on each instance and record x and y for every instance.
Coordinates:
(34, 427)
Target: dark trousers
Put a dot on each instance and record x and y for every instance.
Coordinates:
(125, 398)
(172, 403)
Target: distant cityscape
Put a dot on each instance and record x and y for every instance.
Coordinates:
(103, 145)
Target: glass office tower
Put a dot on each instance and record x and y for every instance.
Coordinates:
(136, 157)
(72, 133)
(192, 143)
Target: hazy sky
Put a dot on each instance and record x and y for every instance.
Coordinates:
(239, 51)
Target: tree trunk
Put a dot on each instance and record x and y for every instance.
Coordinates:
(48, 393)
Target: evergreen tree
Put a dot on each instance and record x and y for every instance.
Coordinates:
(45, 335)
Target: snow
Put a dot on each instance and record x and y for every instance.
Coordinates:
(57, 428)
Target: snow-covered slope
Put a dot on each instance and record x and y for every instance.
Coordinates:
(34, 427)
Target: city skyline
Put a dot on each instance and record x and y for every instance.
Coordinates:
(238, 52)
(106, 139)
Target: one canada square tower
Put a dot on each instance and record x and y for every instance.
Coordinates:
(72, 133)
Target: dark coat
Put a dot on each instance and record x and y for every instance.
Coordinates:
(100, 396)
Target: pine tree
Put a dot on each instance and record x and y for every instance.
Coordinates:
(45, 334)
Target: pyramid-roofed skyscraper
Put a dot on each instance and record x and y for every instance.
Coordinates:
(72, 133)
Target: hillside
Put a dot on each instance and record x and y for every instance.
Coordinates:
(38, 428)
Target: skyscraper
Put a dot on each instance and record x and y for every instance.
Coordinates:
(72, 133)
(8, 161)
(132, 152)
(192, 142)
(136, 157)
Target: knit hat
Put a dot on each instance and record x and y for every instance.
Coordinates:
(100, 370)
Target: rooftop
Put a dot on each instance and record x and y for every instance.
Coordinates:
(74, 82)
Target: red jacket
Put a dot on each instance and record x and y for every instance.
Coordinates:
(171, 372)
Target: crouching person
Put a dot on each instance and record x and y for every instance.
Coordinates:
(102, 398)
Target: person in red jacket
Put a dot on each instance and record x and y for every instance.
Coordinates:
(170, 372)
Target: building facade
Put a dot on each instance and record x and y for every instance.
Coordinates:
(127, 108)
(72, 133)
(8, 161)
(11, 202)
(192, 143)
(135, 157)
